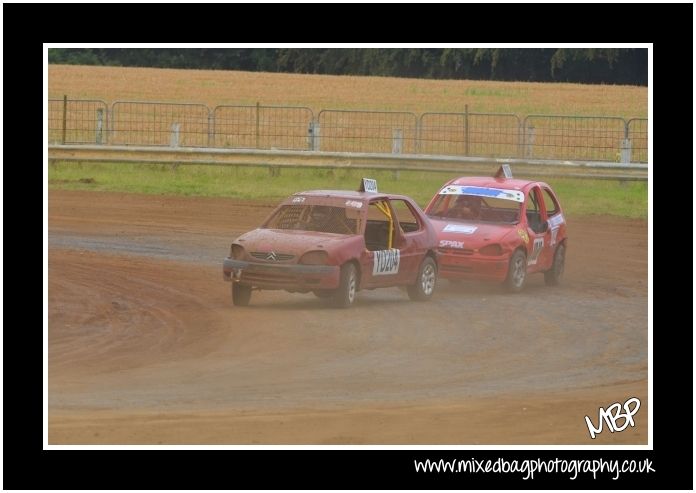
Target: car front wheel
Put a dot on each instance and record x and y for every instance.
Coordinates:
(344, 296)
(425, 283)
(517, 272)
(554, 275)
(241, 294)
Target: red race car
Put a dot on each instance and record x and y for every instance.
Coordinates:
(499, 229)
(334, 243)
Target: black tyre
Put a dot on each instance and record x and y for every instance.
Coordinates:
(517, 272)
(323, 293)
(554, 275)
(241, 294)
(425, 282)
(344, 296)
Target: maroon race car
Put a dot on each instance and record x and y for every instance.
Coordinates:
(499, 229)
(334, 243)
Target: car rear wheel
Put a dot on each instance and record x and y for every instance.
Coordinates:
(241, 294)
(344, 296)
(517, 272)
(554, 275)
(425, 283)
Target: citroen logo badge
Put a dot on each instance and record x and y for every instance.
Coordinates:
(272, 256)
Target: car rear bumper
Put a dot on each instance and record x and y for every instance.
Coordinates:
(476, 267)
(293, 277)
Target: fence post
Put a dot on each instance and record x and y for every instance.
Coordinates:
(397, 140)
(317, 136)
(257, 124)
(174, 141)
(100, 125)
(626, 150)
(529, 140)
(65, 115)
(211, 130)
(466, 129)
(417, 146)
(313, 134)
(111, 128)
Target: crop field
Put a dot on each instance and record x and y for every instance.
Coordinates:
(318, 92)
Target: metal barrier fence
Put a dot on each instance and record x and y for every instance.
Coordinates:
(500, 135)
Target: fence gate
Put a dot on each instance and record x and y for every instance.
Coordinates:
(591, 138)
(81, 121)
(637, 135)
(469, 134)
(263, 127)
(367, 131)
(144, 123)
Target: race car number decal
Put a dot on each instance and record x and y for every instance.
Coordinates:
(386, 262)
(556, 221)
(354, 203)
(536, 250)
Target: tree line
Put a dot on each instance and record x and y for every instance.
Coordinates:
(585, 65)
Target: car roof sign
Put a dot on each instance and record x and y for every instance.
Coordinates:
(503, 172)
(368, 185)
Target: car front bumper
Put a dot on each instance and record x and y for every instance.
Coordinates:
(475, 267)
(292, 277)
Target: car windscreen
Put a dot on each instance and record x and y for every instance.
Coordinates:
(315, 217)
(475, 208)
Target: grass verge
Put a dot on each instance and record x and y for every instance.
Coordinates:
(577, 196)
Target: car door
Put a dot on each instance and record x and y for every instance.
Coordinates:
(381, 262)
(539, 234)
(410, 231)
(556, 226)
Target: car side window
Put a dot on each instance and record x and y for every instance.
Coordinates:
(404, 214)
(378, 227)
(533, 211)
(550, 203)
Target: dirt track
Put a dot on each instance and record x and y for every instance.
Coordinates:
(145, 347)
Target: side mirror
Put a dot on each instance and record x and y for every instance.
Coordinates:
(544, 227)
